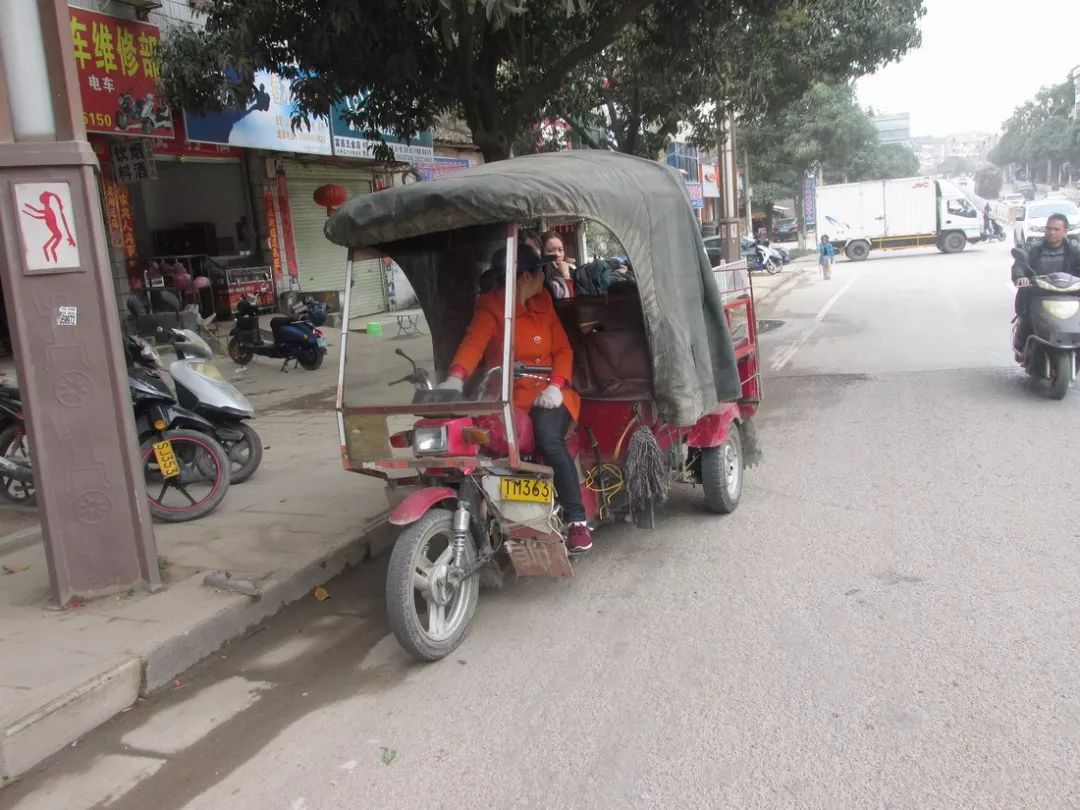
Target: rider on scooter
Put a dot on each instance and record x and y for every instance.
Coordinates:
(1054, 254)
(539, 340)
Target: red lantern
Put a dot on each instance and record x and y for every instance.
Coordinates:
(330, 196)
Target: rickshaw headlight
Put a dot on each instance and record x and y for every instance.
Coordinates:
(1061, 309)
(430, 441)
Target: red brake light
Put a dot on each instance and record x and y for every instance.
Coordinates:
(318, 333)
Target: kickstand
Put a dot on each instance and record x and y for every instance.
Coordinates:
(283, 369)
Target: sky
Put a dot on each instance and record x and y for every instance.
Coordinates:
(979, 59)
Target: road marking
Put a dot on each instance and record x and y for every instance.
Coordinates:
(785, 356)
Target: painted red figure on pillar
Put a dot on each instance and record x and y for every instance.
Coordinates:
(47, 214)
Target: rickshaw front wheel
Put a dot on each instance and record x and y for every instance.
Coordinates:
(429, 613)
(722, 473)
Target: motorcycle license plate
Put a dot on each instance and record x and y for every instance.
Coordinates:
(531, 490)
(322, 342)
(166, 459)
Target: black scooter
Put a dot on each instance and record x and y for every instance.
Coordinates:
(296, 337)
(1049, 352)
(16, 474)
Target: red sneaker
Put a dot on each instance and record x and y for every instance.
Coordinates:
(580, 539)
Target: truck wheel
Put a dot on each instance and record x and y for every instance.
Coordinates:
(954, 242)
(722, 473)
(857, 251)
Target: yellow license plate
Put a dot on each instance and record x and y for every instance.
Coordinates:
(166, 459)
(532, 490)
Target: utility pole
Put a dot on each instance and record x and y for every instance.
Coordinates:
(747, 192)
(727, 218)
(58, 289)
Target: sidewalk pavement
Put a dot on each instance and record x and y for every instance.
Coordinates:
(766, 286)
(298, 522)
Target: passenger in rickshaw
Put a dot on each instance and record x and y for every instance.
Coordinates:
(539, 340)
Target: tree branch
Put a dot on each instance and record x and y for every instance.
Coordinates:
(534, 95)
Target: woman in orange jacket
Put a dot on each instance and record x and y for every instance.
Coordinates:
(539, 340)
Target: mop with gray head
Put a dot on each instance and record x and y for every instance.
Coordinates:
(646, 470)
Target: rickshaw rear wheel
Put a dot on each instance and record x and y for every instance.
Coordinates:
(722, 473)
(429, 615)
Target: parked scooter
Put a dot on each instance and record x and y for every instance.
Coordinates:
(1050, 351)
(201, 388)
(16, 475)
(187, 470)
(296, 337)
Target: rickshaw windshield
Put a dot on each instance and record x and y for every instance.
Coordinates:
(396, 359)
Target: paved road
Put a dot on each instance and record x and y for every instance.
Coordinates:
(889, 620)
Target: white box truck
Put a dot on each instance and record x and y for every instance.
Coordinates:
(893, 214)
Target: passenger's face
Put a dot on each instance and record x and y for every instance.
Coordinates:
(530, 283)
(554, 247)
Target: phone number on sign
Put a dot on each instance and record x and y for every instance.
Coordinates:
(92, 119)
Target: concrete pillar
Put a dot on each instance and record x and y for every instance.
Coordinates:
(61, 309)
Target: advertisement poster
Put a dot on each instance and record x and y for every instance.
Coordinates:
(272, 236)
(266, 122)
(710, 180)
(349, 142)
(697, 199)
(116, 64)
(439, 167)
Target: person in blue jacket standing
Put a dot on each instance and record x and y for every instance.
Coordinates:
(826, 257)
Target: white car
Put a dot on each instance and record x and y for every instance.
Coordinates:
(1013, 199)
(1030, 228)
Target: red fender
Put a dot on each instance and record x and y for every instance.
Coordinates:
(418, 503)
(712, 429)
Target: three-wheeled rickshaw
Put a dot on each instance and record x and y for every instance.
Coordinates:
(665, 363)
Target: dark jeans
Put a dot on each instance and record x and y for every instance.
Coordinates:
(549, 428)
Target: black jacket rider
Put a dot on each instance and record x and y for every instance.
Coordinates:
(1034, 257)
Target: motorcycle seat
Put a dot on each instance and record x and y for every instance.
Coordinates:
(280, 321)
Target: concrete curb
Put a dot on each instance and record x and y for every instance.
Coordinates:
(42, 725)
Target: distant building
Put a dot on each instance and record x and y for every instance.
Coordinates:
(894, 128)
(932, 150)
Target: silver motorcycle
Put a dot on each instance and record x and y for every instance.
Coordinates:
(201, 388)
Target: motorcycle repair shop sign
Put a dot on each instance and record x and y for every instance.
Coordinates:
(116, 62)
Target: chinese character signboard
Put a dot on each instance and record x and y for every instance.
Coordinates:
(134, 161)
(350, 142)
(116, 62)
(440, 167)
(266, 123)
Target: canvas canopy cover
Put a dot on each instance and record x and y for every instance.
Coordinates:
(643, 203)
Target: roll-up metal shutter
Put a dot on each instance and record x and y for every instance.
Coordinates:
(322, 263)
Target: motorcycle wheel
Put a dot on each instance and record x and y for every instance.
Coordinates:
(1061, 375)
(121, 120)
(722, 473)
(13, 445)
(238, 353)
(147, 126)
(311, 359)
(201, 485)
(772, 267)
(245, 455)
(429, 616)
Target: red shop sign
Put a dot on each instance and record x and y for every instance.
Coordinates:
(116, 62)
